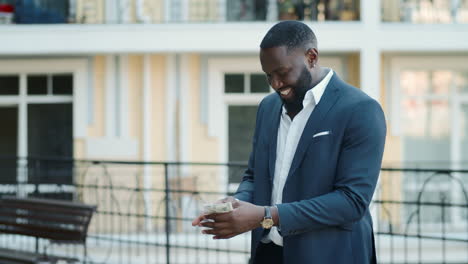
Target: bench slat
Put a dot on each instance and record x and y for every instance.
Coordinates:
(66, 219)
(57, 203)
(47, 208)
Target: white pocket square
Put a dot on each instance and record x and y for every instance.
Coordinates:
(323, 133)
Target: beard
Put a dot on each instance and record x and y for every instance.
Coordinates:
(300, 88)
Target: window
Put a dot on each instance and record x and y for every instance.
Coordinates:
(9, 84)
(425, 11)
(431, 117)
(246, 83)
(267, 10)
(56, 84)
(241, 95)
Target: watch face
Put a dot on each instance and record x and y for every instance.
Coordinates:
(267, 223)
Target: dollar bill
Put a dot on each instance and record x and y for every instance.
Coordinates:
(217, 208)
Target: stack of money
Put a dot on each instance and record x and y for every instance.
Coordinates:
(217, 208)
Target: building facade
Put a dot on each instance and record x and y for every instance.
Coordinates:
(180, 80)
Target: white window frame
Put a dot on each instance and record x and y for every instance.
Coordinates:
(77, 67)
(23, 68)
(397, 65)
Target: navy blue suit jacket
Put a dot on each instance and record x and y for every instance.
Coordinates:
(324, 217)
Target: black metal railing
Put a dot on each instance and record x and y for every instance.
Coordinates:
(176, 11)
(145, 210)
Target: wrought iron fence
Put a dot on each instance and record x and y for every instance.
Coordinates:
(145, 210)
(177, 11)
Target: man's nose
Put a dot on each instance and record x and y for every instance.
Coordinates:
(276, 83)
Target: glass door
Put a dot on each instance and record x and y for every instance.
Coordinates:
(8, 143)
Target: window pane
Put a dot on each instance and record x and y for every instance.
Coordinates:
(241, 129)
(425, 11)
(426, 128)
(418, 83)
(318, 10)
(259, 84)
(50, 134)
(62, 84)
(464, 134)
(9, 144)
(414, 82)
(461, 81)
(9, 85)
(234, 83)
(442, 81)
(250, 10)
(37, 84)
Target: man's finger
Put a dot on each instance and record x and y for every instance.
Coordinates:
(218, 231)
(220, 217)
(225, 236)
(197, 220)
(215, 225)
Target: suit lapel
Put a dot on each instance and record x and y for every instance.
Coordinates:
(328, 99)
(273, 129)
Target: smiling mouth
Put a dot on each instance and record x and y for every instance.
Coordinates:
(285, 91)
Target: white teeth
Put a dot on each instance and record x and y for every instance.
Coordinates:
(286, 92)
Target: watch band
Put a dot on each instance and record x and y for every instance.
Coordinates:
(267, 221)
(267, 212)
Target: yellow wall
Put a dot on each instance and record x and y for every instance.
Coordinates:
(135, 99)
(204, 148)
(97, 128)
(390, 181)
(158, 110)
(354, 70)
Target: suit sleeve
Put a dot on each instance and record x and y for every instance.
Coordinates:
(246, 187)
(357, 171)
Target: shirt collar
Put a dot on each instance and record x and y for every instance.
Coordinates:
(315, 94)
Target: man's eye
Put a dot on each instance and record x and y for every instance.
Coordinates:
(283, 73)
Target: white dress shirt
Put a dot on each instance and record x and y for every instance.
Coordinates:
(289, 133)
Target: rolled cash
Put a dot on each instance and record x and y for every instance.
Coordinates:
(217, 208)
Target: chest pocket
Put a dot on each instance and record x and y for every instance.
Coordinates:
(320, 148)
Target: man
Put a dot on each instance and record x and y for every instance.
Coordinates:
(316, 157)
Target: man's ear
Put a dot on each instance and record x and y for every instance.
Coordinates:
(312, 57)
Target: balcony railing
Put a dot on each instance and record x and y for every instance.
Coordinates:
(425, 11)
(175, 11)
(145, 210)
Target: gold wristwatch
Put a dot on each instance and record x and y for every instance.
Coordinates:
(267, 221)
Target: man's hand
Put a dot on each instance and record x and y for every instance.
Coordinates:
(243, 218)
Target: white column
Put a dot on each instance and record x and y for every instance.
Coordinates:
(222, 14)
(185, 109)
(140, 12)
(122, 103)
(110, 108)
(171, 82)
(370, 55)
(370, 71)
(111, 12)
(147, 142)
(124, 11)
(167, 16)
(184, 10)
(90, 90)
(272, 10)
(22, 171)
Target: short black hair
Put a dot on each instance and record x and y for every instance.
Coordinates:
(292, 34)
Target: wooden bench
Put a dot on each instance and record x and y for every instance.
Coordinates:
(61, 222)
